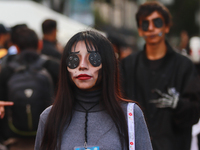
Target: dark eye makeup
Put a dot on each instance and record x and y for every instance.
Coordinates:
(73, 60)
(158, 23)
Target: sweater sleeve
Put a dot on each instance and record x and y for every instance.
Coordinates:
(142, 138)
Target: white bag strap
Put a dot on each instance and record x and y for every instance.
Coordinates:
(131, 125)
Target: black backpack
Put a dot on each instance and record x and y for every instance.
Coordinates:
(31, 90)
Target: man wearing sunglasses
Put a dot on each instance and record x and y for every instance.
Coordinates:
(162, 81)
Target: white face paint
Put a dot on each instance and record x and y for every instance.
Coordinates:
(85, 75)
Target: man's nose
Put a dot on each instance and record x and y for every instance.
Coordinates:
(151, 25)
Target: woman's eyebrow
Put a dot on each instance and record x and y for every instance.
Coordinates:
(75, 52)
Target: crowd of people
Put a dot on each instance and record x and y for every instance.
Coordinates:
(28, 81)
(82, 97)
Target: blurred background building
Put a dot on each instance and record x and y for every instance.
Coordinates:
(116, 18)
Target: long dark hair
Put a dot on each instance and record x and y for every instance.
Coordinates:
(61, 112)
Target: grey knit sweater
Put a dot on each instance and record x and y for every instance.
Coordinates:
(101, 130)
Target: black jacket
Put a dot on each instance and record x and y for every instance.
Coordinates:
(170, 129)
(49, 49)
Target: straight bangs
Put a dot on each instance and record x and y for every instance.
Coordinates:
(90, 42)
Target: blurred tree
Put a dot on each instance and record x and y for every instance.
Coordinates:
(58, 5)
(37, 0)
(183, 16)
(99, 21)
(106, 1)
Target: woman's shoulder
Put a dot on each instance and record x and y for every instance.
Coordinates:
(137, 110)
(45, 113)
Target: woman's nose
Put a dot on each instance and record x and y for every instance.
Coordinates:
(83, 64)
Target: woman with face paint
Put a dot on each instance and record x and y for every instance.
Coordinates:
(88, 112)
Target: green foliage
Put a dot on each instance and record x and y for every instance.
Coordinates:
(37, 1)
(183, 16)
(99, 21)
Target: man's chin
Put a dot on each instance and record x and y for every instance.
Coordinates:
(153, 42)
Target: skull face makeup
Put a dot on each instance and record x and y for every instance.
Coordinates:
(73, 60)
(84, 66)
(158, 23)
(95, 59)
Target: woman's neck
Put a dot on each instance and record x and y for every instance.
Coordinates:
(87, 99)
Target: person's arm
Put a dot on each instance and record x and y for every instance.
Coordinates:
(2, 109)
(40, 132)
(187, 112)
(142, 138)
(183, 96)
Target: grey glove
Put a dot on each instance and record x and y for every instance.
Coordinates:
(167, 100)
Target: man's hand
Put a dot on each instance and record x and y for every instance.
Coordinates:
(2, 110)
(166, 100)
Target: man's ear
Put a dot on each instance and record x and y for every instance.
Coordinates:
(17, 47)
(167, 28)
(40, 45)
(140, 32)
(1, 36)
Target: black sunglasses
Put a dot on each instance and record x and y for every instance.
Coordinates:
(158, 23)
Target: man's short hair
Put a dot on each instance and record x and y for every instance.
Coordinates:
(48, 26)
(27, 39)
(3, 29)
(148, 8)
(14, 30)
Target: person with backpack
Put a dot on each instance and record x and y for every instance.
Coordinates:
(12, 49)
(88, 111)
(4, 42)
(29, 80)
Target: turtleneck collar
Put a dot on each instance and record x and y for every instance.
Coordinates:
(87, 96)
(87, 99)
